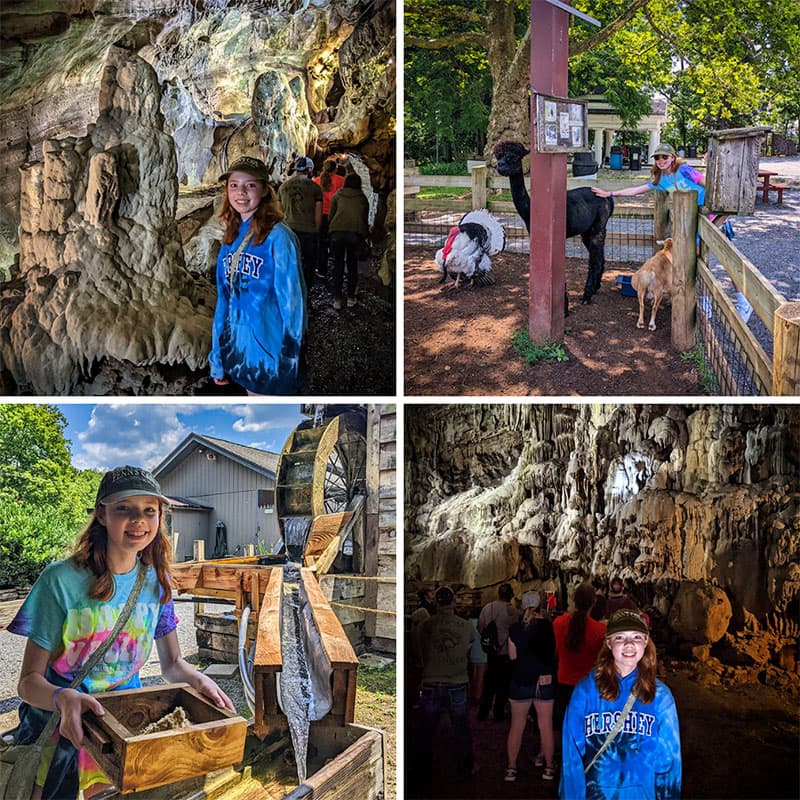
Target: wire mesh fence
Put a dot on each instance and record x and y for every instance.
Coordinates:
(727, 367)
(629, 233)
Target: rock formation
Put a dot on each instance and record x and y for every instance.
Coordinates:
(94, 153)
(697, 508)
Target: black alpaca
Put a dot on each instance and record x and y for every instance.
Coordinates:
(587, 214)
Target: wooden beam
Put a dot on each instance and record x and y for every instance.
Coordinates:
(268, 655)
(334, 640)
(786, 359)
(747, 278)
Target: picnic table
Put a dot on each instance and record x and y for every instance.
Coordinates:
(765, 187)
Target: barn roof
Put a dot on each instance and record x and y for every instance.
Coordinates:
(261, 461)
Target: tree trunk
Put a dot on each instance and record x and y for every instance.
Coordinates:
(509, 118)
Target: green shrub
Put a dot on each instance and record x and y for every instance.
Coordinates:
(444, 168)
(533, 353)
(31, 537)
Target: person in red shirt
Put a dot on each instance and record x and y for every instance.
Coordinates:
(578, 641)
(330, 182)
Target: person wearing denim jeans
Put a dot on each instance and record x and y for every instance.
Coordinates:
(445, 640)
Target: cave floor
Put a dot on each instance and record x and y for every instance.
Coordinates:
(737, 743)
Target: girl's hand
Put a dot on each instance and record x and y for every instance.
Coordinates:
(600, 192)
(221, 381)
(73, 704)
(207, 687)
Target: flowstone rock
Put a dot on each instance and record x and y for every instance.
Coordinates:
(239, 78)
(103, 269)
(700, 613)
(696, 507)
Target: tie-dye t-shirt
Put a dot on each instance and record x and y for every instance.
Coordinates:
(686, 178)
(59, 616)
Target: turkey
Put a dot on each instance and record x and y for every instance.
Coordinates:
(466, 252)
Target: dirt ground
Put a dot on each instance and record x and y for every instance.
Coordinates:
(458, 342)
(738, 744)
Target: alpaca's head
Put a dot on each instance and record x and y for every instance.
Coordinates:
(509, 157)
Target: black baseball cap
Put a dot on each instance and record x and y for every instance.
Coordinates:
(122, 482)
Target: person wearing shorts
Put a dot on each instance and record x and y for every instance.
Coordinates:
(531, 649)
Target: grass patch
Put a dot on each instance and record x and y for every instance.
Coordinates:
(376, 707)
(707, 378)
(441, 193)
(533, 353)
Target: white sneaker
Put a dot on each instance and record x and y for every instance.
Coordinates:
(352, 301)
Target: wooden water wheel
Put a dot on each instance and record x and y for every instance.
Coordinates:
(320, 472)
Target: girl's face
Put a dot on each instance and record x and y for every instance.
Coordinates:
(627, 647)
(245, 193)
(664, 163)
(131, 523)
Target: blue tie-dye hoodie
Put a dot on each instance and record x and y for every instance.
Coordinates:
(260, 317)
(644, 760)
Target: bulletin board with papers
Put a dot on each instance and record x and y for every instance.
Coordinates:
(560, 125)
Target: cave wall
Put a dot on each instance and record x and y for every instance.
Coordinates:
(545, 495)
(88, 200)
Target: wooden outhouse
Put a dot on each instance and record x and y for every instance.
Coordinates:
(732, 170)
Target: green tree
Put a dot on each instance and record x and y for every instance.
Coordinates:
(43, 498)
(726, 64)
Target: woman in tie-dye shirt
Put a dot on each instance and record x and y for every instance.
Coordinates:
(668, 174)
(72, 609)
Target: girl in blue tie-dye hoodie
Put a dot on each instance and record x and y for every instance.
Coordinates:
(643, 760)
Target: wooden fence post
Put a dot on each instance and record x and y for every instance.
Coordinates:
(249, 550)
(175, 537)
(684, 269)
(479, 176)
(660, 218)
(786, 350)
(199, 549)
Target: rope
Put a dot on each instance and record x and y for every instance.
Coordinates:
(362, 608)
(358, 578)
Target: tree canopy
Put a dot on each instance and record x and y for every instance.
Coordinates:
(728, 64)
(43, 498)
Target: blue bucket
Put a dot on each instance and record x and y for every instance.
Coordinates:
(615, 160)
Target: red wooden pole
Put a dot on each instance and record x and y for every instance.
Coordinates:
(548, 190)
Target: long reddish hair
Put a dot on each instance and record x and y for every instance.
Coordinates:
(608, 680)
(268, 213)
(328, 169)
(91, 552)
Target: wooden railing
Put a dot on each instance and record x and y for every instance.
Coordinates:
(781, 374)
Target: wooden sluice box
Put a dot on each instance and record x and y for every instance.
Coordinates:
(345, 761)
(213, 738)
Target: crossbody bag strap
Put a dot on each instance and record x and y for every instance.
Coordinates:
(236, 255)
(612, 734)
(94, 658)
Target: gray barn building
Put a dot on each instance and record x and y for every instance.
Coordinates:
(223, 494)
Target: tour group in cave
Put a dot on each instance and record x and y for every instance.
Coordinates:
(523, 517)
(117, 122)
